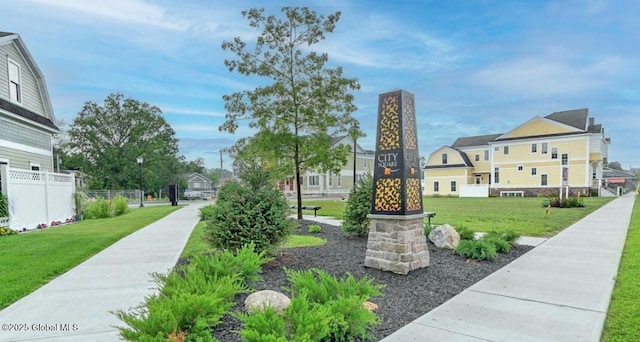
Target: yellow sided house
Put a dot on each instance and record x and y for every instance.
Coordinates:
(563, 150)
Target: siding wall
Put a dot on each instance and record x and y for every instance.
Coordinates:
(20, 159)
(444, 177)
(31, 98)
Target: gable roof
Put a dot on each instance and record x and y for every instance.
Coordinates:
(479, 140)
(27, 114)
(465, 159)
(576, 117)
(8, 37)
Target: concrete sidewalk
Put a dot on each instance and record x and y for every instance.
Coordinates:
(559, 291)
(77, 305)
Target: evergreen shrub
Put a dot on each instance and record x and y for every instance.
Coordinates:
(358, 207)
(249, 210)
(98, 209)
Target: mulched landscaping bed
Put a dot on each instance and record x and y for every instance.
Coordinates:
(405, 297)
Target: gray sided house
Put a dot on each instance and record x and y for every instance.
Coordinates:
(197, 183)
(26, 116)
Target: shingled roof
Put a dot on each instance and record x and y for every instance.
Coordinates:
(27, 114)
(479, 140)
(575, 118)
(3, 34)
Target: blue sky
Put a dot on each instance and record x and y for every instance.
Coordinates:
(475, 67)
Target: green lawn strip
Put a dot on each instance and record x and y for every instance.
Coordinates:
(524, 215)
(31, 260)
(196, 244)
(295, 241)
(623, 317)
(332, 208)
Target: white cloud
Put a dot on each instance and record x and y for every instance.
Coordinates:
(135, 11)
(191, 111)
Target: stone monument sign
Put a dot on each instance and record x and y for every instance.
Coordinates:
(396, 236)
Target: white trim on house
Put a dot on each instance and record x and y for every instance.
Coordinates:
(14, 76)
(539, 161)
(25, 148)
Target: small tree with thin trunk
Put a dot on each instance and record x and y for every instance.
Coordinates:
(306, 103)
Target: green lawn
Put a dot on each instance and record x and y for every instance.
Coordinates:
(623, 318)
(333, 208)
(524, 215)
(31, 260)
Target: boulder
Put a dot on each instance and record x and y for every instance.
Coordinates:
(266, 298)
(445, 236)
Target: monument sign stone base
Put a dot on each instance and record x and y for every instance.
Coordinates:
(397, 243)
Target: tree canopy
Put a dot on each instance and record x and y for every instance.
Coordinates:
(111, 136)
(615, 166)
(306, 102)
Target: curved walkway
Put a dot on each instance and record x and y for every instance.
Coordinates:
(559, 291)
(77, 305)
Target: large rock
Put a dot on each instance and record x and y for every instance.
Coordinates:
(266, 298)
(445, 236)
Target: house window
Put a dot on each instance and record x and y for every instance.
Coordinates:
(534, 148)
(34, 166)
(496, 175)
(444, 158)
(330, 180)
(545, 148)
(486, 154)
(477, 157)
(554, 153)
(436, 186)
(543, 180)
(506, 150)
(15, 93)
(314, 180)
(339, 180)
(520, 167)
(453, 186)
(565, 158)
(497, 148)
(534, 171)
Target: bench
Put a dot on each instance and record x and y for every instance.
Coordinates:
(429, 215)
(315, 208)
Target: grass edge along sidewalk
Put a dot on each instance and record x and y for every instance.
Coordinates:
(33, 259)
(623, 316)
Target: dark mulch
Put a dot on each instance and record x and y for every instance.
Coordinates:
(405, 297)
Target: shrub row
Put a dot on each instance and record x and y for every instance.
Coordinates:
(322, 308)
(194, 298)
(101, 208)
(556, 202)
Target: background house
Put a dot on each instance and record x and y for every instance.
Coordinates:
(197, 183)
(563, 149)
(316, 183)
(36, 194)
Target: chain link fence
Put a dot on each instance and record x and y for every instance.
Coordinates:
(130, 195)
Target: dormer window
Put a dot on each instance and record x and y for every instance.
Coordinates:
(444, 158)
(15, 91)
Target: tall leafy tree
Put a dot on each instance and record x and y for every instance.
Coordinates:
(111, 136)
(305, 103)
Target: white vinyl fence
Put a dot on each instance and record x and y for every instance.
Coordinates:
(474, 190)
(37, 196)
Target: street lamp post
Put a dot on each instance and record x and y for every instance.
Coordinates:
(140, 160)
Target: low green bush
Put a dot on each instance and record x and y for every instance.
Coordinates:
(100, 208)
(428, 229)
(120, 205)
(465, 233)
(206, 212)
(510, 236)
(322, 308)
(476, 249)
(193, 299)
(501, 245)
(358, 207)
(4, 231)
(556, 202)
(4, 205)
(314, 229)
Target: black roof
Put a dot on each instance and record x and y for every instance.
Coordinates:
(575, 118)
(478, 140)
(4, 34)
(25, 113)
(597, 128)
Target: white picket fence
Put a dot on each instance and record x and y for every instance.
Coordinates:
(37, 197)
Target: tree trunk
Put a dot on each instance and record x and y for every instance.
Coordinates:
(298, 187)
